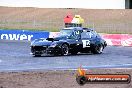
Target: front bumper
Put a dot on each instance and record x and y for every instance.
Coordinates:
(53, 50)
(39, 50)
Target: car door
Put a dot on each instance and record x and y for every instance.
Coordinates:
(86, 38)
(75, 42)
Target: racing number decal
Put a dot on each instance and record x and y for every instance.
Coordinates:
(86, 43)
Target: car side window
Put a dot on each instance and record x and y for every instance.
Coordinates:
(93, 34)
(85, 35)
(98, 36)
(77, 34)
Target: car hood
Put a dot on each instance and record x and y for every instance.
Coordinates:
(47, 42)
(59, 38)
(41, 42)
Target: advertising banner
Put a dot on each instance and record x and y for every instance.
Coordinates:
(22, 34)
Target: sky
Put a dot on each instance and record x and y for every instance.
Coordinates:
(90, 4)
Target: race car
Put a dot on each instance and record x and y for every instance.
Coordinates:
(72, 40)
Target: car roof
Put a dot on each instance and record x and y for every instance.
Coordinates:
(79, 28)
(75, 28)
(88, 29)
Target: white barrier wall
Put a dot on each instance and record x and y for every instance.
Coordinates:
(90, 4)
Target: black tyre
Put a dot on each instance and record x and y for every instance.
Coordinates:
(65, 49)
(98, 49)
(37, 55)
(81, 80)
(55, 54)
(74, 52)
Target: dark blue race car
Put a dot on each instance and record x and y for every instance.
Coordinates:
(70, 41)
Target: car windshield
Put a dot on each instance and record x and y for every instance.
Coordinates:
(65, 32)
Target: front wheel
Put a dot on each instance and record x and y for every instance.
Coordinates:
(37, 55)
(98, 49)
(65, 49)
(74, 52)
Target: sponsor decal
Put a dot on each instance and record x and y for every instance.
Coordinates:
(83, 78)
(16, 37)
(22, 34)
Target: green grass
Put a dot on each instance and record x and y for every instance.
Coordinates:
(15, 23)
(57, 30)
(30, 29)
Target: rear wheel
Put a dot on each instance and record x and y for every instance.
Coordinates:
(98, 49)
(65, 49)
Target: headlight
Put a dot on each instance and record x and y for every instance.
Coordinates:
(53, 45)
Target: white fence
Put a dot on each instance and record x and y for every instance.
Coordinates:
(90, 4)
(56, 26)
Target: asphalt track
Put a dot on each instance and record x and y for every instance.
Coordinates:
(15, 56)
